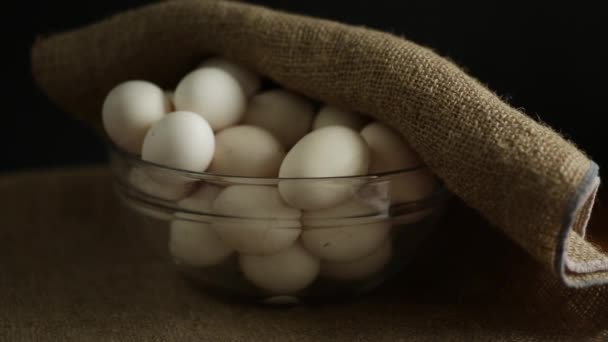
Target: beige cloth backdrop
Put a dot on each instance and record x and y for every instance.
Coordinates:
(69, 271)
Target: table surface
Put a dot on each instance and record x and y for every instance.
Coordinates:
(69, 272)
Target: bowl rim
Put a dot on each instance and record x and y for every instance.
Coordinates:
(135, 159)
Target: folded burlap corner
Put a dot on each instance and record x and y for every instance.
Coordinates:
(538, 188)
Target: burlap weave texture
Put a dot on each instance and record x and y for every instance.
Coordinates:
(520, 175)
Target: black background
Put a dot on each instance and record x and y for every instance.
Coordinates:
(547, 58)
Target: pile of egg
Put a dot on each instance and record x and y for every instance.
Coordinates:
(220, 121)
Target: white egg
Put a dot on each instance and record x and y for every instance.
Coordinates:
(347, 232)
(354, 211)
(141, 180)
(181, 140)
(214, 94)
(201, 201)
(345, 243)
(288, 116)
(285, 273)
(129, 110)
(412, 186)
(247, 151)
(196, 244)
(256, 220)
(360, 268)
(389, 151)
(333, 151)
(332, 116)
(249, 81)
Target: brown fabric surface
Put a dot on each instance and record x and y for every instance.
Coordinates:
(522, 176)
(69, 271)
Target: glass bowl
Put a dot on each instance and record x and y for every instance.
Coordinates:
(240, 237)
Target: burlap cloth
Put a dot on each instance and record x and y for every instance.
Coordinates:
(521, 176)
(69, 271)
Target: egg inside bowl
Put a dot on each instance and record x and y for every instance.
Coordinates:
(238, 236)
